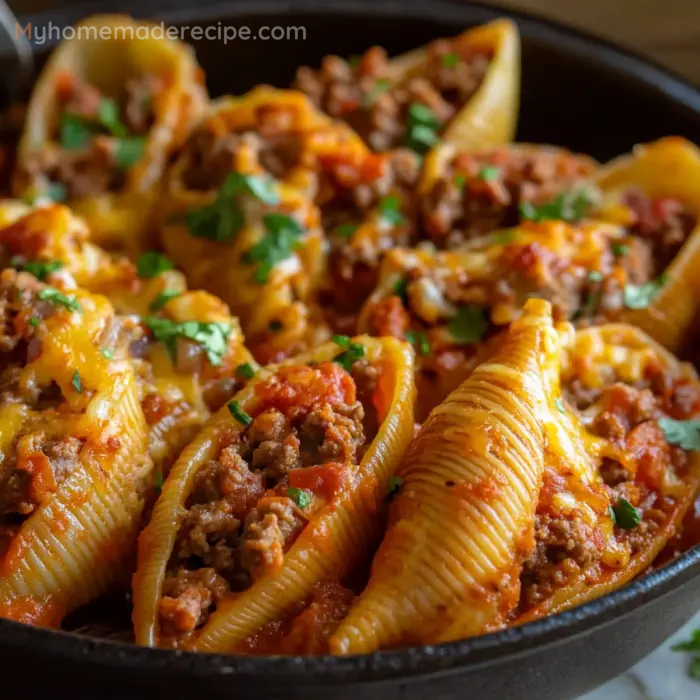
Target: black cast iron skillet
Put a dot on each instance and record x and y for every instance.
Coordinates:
(578, 92)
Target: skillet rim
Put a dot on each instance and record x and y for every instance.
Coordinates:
(446, 658)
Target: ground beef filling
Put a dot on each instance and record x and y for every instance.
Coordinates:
(97, 165)
(664, 223)
(244, 511)
(480, 193)
(626, 416)
(214, 151)
(360, 93)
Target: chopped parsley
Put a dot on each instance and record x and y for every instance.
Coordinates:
(559, 403)
(595, 276)
(278, 244)
(504, 237)
(468, 325)
(389, 210)
(57, 298)
(34, 321)
(692, 646)
(351, 352)
(109, 117)
(245, 371)
(212, 337)
(395, 484)
(53, 191)
(107, 353)
(684, 433)
(152, 263)
(162, 299)
(381, 85)
(619, 250)
(74, 132)
(640, 296)
(568, 206)
(221, 220)
(450, 60)
(624, 515)
(421, 134)
(299, 496)
(399, 289)
(490, 173)
(41, 269)
(346, 231)
(129, 151)
(238, 413)
(77, 382)
(459, 180)
(420, 340)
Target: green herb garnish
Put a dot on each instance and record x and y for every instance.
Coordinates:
(450, 60)
(595, 276)
(619, 250)
(625, 515)
(109, 117)
(107, 353)
(381, 85)
(245, 371)
(640, 296)
(212, 337)
(684, 433)
(34, 322)
(468, 325)
(158, 481)
(559, 403)
(692, 646)
(152, 263)
(299, 496)
(421, 134)
(459, 180)
(352, 352)
(162, 299)
(399, 289)
(128, 151)
(280, 241)
(420, 340)
(389, 210)
(346, 231)
(52, 295)
(76, 382)
(490, 173)
(568, 206)
(74, 132)
(41, 269)
(238, 413)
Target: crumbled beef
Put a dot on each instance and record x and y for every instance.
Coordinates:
(462, 204)
(664, 222)
(269, 530)
(378, 110)
(188, 599)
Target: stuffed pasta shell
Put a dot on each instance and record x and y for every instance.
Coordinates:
(465, 90)
(655, 194)
(100, 138)
(258, 246)
(632, 409)
(461, 526)
(281, 492)
(75, 464)
(449, 303)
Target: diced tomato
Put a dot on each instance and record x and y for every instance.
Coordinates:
(389, 317)
(303, 387)
(325, 480)
(647, 445)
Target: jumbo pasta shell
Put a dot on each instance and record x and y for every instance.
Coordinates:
(120, 217)
(595, 354)
(75, 540)
(490, 117)
(334, 538)
(669, 167)
(461, 525)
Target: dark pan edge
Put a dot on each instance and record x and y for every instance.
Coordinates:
(419, 661)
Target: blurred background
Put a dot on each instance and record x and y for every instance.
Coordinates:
(666, 30)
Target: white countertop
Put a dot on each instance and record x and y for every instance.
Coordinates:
(663, 675)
